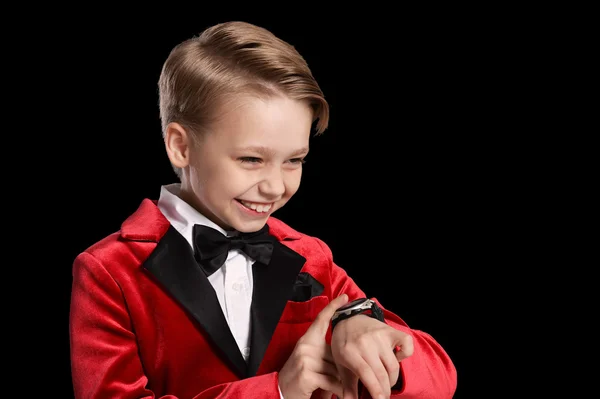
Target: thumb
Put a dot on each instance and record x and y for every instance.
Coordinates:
(319, 327)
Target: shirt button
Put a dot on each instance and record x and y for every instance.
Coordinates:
(246, 352)
(237, 287)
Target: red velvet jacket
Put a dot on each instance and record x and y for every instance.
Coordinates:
(145, 322)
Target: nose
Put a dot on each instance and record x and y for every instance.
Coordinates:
(273, 183)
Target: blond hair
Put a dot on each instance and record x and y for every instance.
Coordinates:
(227, 60)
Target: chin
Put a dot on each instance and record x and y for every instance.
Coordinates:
(250, 227)
(244, 225)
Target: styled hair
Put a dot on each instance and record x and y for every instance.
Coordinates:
(227, 60)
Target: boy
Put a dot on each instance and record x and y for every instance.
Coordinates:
(202, 293)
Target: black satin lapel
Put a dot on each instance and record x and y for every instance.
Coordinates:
(172, 263)
(272, 289)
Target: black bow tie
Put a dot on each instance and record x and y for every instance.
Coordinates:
(211, 246)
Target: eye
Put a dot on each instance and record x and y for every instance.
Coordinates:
(249, 159)
(298, 160)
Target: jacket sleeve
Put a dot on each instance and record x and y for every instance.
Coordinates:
(429, 373)
(104, 354)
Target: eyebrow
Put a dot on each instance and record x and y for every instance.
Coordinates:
(267, 152)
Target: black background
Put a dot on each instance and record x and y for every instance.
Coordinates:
(413, 186)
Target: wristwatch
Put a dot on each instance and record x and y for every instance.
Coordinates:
(358, 306)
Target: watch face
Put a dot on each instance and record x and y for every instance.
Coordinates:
(352, 304)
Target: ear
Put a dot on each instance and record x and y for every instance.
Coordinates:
(178, 143)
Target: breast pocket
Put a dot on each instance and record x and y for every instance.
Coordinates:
(303, 312)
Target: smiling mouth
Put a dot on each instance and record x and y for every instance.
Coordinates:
(260, 208)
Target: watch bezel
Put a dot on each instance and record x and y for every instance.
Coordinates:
(356, 304)
(352, 305)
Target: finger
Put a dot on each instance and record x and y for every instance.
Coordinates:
(349, 383)
(319, 327)
(326, 368)
(377, 367)
(392, 366)
(330, 384)
(380, 370)
(364, 371)
(404, 346)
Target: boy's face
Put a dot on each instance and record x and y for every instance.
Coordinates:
(250, 163)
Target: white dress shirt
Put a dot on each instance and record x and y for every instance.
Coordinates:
(233, 282)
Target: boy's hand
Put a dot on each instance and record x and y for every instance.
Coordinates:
(311, 365)
(363, 348)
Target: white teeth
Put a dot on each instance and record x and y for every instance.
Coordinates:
(257, 208)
